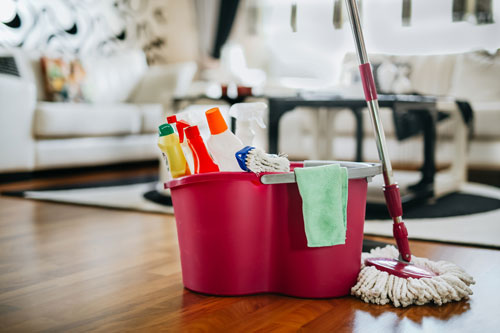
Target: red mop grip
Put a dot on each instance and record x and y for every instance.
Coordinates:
(393, 200)
(401, 236)
(368, 83)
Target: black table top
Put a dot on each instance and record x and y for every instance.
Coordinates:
(383, 98)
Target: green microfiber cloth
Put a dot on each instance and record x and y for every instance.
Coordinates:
(324, 203)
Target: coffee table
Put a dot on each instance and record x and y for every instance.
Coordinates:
(412, 114)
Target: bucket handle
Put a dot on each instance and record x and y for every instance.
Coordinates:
(355, 170)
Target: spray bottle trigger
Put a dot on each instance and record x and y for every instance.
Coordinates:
(259, 121)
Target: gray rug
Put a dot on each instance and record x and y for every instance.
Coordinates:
(481, 229)
(129, 197)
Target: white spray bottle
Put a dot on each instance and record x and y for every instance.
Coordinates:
(248, 115)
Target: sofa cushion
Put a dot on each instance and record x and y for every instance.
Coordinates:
(56, 120)
(152, 116)
(112, 79)
(428, 74)
(431, 74)
(486, 120)
(162, 82)
(78, 152)
(476, 77)
(108, 79)
(28, 65)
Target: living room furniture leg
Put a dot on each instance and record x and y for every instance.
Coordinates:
(276, 110)
(429, 166)
(330, 134)
(425, 187)
(359, 133)
(321, 148)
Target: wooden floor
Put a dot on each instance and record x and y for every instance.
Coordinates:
(71, 268)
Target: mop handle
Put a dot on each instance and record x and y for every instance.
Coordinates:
(391, 188)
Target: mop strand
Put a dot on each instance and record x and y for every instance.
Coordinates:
(378, 287)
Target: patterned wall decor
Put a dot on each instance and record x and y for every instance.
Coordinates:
(85, 26)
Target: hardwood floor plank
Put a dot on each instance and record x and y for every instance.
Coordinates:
(68, 268)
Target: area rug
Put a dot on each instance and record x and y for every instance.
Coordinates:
(138, 193)
(470, 217)
(476, 228)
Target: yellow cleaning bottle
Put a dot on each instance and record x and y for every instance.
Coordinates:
(170, 146)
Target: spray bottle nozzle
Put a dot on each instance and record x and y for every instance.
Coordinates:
(249, 112)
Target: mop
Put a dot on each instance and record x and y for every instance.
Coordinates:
(408, 279)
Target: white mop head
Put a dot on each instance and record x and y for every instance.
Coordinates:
(258, 161)
(374, 286)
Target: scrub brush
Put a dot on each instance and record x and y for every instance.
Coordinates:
(255, 160)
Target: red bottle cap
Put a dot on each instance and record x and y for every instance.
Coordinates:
(192, 132)
(172, 119)
(181, 125)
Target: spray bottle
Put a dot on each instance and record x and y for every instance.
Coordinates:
(172, 120)
(203, 162)
(181, 126)
(248, 115)
(222, 143)
(168, 142)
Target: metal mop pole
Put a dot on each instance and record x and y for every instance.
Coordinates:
(391, 188)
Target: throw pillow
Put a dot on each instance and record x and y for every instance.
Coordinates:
(393, 77)
(402, 83)
(63, 79)
(385, 75)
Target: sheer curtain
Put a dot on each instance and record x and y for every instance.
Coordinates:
(207, 15)
(215, 21)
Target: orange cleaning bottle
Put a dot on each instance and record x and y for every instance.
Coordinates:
(202, 160)
(222, 143)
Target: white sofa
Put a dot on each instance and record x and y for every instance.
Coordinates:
(128, 102)
(474, 77)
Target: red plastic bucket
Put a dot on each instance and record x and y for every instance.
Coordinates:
(238, 236)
